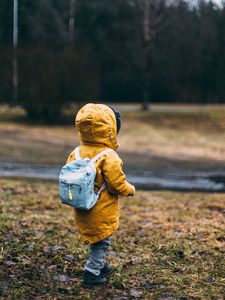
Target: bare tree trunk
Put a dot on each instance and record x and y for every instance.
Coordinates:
(148, 9)
(72, 21)
(147, 40)
(15, 76)
(15, 42)
(146, 20)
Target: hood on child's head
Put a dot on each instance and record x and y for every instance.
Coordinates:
(96, 124)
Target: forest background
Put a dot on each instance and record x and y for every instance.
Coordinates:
(118, 51)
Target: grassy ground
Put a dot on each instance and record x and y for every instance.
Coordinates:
(169, 246)
(160, 137)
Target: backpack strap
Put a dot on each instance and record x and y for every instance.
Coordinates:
(77, 153)
(101, 189)
(94, 159)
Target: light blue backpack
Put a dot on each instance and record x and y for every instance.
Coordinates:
(77, 179)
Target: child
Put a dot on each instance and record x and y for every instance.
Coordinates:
(98, 126)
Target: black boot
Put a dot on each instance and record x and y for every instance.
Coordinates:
(92, 280)
(106, 270)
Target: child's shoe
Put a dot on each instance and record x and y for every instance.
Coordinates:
(92, 280)
(106, 270)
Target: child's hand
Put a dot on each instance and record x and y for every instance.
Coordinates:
(133, 191)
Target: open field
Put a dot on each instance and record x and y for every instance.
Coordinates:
(165, 137)
(169, 246)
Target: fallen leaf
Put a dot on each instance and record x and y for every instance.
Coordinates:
(46, 249)
(38, 233)
(10, 236)
(136, 293)
(30, 248)
(52, 267)
(10, 263)
(69, 257)
(62, 278)
(153, 285)
(56, 248)
(210, 281)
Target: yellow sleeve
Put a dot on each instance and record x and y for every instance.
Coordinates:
(115, 178)
(70, 157)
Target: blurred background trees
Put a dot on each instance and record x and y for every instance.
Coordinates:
(73, 51)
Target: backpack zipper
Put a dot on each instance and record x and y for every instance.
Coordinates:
(70, 195)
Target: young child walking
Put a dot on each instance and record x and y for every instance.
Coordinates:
(98, 126)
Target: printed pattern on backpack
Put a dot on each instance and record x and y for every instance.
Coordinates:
(77, 179)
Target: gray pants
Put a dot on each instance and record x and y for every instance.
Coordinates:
(96, 257)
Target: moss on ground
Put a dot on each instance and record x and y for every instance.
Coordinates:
(169, 246)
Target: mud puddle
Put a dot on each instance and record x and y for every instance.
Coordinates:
(211, 181)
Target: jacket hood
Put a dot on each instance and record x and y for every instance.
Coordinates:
(96, 124)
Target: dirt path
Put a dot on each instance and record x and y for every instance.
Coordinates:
(171, 146)
(179, 180)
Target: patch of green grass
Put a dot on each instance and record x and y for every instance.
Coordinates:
(168, 245)
(11, 114)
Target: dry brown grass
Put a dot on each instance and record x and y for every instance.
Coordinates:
(173, 134)
(169, 246)
(36, 144)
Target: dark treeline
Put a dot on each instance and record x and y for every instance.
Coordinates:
(120, 50)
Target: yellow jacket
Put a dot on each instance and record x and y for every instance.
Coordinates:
(96, 124)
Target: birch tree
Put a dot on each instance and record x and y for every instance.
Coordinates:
(72, 21)
(150, 18)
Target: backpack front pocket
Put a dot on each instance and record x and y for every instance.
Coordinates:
(69, 193)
